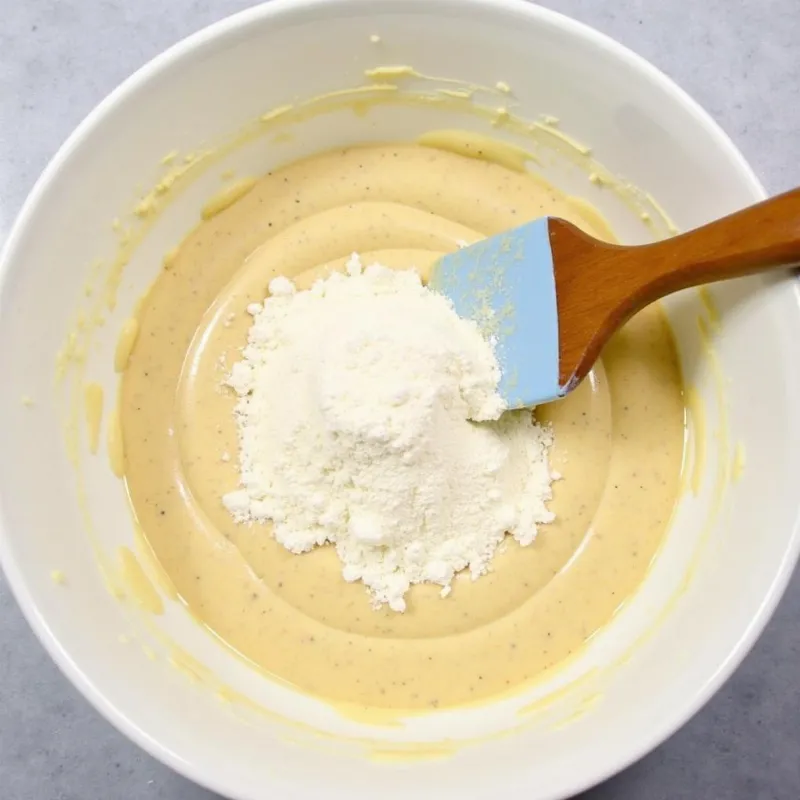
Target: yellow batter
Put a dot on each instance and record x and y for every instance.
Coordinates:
(619, 441)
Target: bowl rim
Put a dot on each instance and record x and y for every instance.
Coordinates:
(204, 774)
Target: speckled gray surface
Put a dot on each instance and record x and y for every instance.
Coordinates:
(738, 59)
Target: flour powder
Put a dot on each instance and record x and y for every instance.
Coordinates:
(369, 418)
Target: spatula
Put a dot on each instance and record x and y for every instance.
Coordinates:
(550, 296)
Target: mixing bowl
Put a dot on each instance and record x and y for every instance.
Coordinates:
(165, 682)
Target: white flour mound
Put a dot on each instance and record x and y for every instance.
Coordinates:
(369, 417)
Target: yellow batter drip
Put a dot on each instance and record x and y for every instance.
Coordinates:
(93, 407)
(227, 197)
(125, 343)
(619, 442)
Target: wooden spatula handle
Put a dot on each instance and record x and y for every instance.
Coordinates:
(599, 285)
(760, 237)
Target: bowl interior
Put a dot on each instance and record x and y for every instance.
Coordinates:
(732, 544)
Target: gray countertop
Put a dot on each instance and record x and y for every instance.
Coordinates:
(739, 59)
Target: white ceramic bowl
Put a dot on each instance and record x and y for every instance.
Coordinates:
(731, 549)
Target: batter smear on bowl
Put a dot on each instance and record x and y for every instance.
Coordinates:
(370, 444)
(617, 442)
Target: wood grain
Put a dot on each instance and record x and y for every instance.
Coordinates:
(599, 285)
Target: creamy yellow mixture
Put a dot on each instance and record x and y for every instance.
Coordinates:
(619, 441)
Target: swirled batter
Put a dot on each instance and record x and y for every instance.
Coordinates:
(619, 441)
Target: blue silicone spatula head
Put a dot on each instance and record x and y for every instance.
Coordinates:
(506, 284)
(550, 296)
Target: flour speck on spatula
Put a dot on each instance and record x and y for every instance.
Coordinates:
(369, 419)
